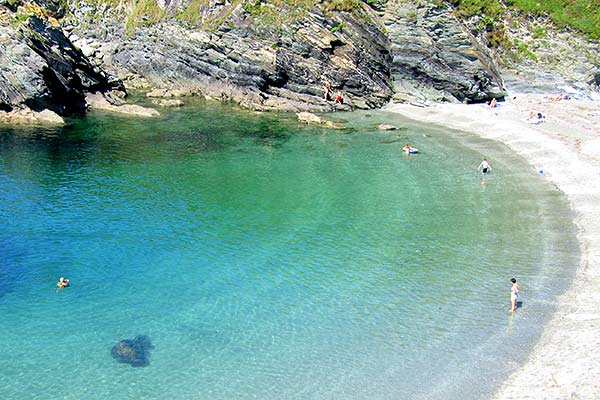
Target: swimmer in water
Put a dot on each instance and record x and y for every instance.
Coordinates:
(485, 167)
(62, 283)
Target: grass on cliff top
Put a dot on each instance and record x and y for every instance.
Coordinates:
(582, 15)
(273, 12)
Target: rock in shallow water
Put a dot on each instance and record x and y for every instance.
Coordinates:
(135, 352)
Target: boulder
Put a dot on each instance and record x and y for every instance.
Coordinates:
(97, 101)
(135, 352)
(41, 69)
(168, 103)
(310, 118)
(26, 116)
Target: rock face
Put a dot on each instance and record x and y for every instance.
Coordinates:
(135, 352)
(41, 69)
(270, 55)
(550, 62)
(283, 67)
(256, 65)
(435, 58)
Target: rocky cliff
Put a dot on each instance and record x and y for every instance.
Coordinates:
(40, 69)
(271, 55)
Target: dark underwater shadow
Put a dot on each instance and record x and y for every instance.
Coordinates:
(135, 352)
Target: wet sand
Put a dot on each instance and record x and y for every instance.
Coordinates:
(565, 363)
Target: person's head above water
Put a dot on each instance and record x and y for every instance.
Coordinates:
(513, 280)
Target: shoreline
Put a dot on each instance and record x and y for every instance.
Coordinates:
(565, 363)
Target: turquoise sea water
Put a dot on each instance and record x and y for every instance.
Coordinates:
(270, 260)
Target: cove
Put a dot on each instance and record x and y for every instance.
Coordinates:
(268, 259)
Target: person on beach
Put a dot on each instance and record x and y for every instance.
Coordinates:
(484, 167)
(558, 97)
(493, 103)
(514, 294)
(62, 283)
(536, 118)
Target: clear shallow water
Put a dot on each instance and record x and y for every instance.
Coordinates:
(269, 260)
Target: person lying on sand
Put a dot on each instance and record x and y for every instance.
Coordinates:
(558, 97)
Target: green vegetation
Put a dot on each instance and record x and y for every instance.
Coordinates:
(538, 32)
(144, 13)
(341, 5)
(520, 50)
(468, 8)
(278, 12)
(338, 27)
(582, 15)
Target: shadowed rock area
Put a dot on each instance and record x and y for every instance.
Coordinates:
(135, 352)
(40, 69)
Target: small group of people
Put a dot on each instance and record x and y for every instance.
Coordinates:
(327, 90)
(558, 97)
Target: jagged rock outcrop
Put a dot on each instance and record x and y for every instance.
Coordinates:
(283, 67)
(256, 65)
(434, 57)
(40, 69)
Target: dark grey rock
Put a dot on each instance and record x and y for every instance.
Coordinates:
(434, 58)
(258, 66)
(41, 69)
(135, 352)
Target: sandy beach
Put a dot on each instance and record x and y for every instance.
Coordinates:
(565, 363)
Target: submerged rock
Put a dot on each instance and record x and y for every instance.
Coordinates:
(168, 103)
(135, 352)
(311, 118)
(169, 93)
(97, 101)
(26, 116)
(386, 127)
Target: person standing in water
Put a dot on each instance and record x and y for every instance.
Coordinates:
(514, 292)
(485, 167)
